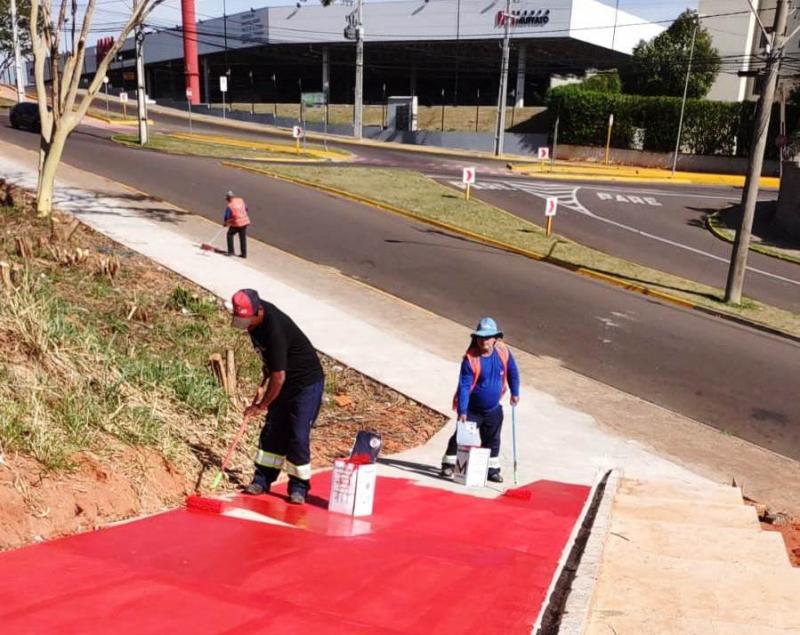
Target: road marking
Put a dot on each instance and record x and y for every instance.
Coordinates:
(568, 198)
(629, 198)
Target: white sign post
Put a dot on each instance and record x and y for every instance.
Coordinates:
(223, 88)
(550, 208)
(123, 99)
(298, 133)
(189, 104)
(608, 140)
(105, 84)
(468, 178)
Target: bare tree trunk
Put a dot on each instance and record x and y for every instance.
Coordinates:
(49, 158)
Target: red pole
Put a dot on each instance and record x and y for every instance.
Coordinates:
(190, 50)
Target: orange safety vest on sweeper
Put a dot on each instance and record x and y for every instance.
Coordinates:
(473, 357)
(239, 217)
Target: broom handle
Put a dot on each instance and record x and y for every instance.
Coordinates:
(213, 240)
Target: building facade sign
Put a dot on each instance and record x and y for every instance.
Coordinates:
(526, 17)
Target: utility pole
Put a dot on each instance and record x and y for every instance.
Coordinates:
(141, 93)
(501, 97)
(17, 57)
(358, 115)
(685, 92)
(741, 245)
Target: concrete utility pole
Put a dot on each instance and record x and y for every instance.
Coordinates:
(501, 97)
(141, 93)
(20, 79)
(741, 246)
(358, 115)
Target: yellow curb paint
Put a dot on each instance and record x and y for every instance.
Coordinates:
(642, 175)
(619, 282)
(260, 145)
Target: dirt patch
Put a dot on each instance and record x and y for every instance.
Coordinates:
(108, 407)
(790, 530)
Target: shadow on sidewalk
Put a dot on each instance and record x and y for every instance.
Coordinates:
(416, 468)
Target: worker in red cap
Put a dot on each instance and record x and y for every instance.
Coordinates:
(290, 394)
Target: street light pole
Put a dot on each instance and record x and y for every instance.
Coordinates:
(685, 92)
(358, 115)
(20, 80)
(141, 93)
(501, 97)
(741, 245)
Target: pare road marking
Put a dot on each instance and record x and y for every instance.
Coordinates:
(627, 198)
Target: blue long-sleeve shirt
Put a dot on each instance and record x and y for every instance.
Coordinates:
(489, 388)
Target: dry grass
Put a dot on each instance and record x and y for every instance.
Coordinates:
(431, 201)
(90, 362)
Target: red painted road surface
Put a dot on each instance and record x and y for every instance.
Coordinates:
(426, 561)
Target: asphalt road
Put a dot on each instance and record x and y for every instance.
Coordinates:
(660, 227)
(729, 376)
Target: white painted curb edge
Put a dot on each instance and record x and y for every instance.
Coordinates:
(577, 604)
(574, 618)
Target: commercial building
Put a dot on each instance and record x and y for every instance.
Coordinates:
(442, 51)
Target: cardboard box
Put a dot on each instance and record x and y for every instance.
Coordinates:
(352, 488)
(472, 465)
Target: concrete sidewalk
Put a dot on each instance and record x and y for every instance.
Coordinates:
(398, 344)
(569, 426)
(417, 353)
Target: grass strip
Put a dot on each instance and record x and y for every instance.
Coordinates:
(182, 146)
(429, 201)
(720, 229)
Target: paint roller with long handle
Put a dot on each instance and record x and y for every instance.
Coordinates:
(514, 439)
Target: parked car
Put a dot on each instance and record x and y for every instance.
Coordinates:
(26, 116)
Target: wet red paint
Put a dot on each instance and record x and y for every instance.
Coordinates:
(426, 561)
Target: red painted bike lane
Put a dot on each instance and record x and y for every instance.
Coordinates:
(427, 560)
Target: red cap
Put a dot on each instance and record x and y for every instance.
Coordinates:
(245, 307)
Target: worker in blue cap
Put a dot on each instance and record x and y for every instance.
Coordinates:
(488, 368)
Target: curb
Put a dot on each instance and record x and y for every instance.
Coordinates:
(118, 122)
(711, 225)
(317, 154)
(644, 175)
(135, 146)
(575, 612)
(600, 277)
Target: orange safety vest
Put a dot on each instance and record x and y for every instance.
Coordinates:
(473, 357)
(239, 217)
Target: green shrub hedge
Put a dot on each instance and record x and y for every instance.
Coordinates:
(710, 127)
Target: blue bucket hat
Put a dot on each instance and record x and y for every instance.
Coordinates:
(487, 327)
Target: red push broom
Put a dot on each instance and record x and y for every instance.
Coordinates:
(209, 246)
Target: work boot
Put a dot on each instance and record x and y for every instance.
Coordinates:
(447, 471)
(256, 489)
(297, 498)
(494, 477)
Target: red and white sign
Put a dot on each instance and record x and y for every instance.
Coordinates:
(543, 153)
(550, 206)
(468, 176)
(188, 93)
(297, 132)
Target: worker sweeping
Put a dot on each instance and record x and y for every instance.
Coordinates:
(290, 394)
(488, 367)
(236, 219)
